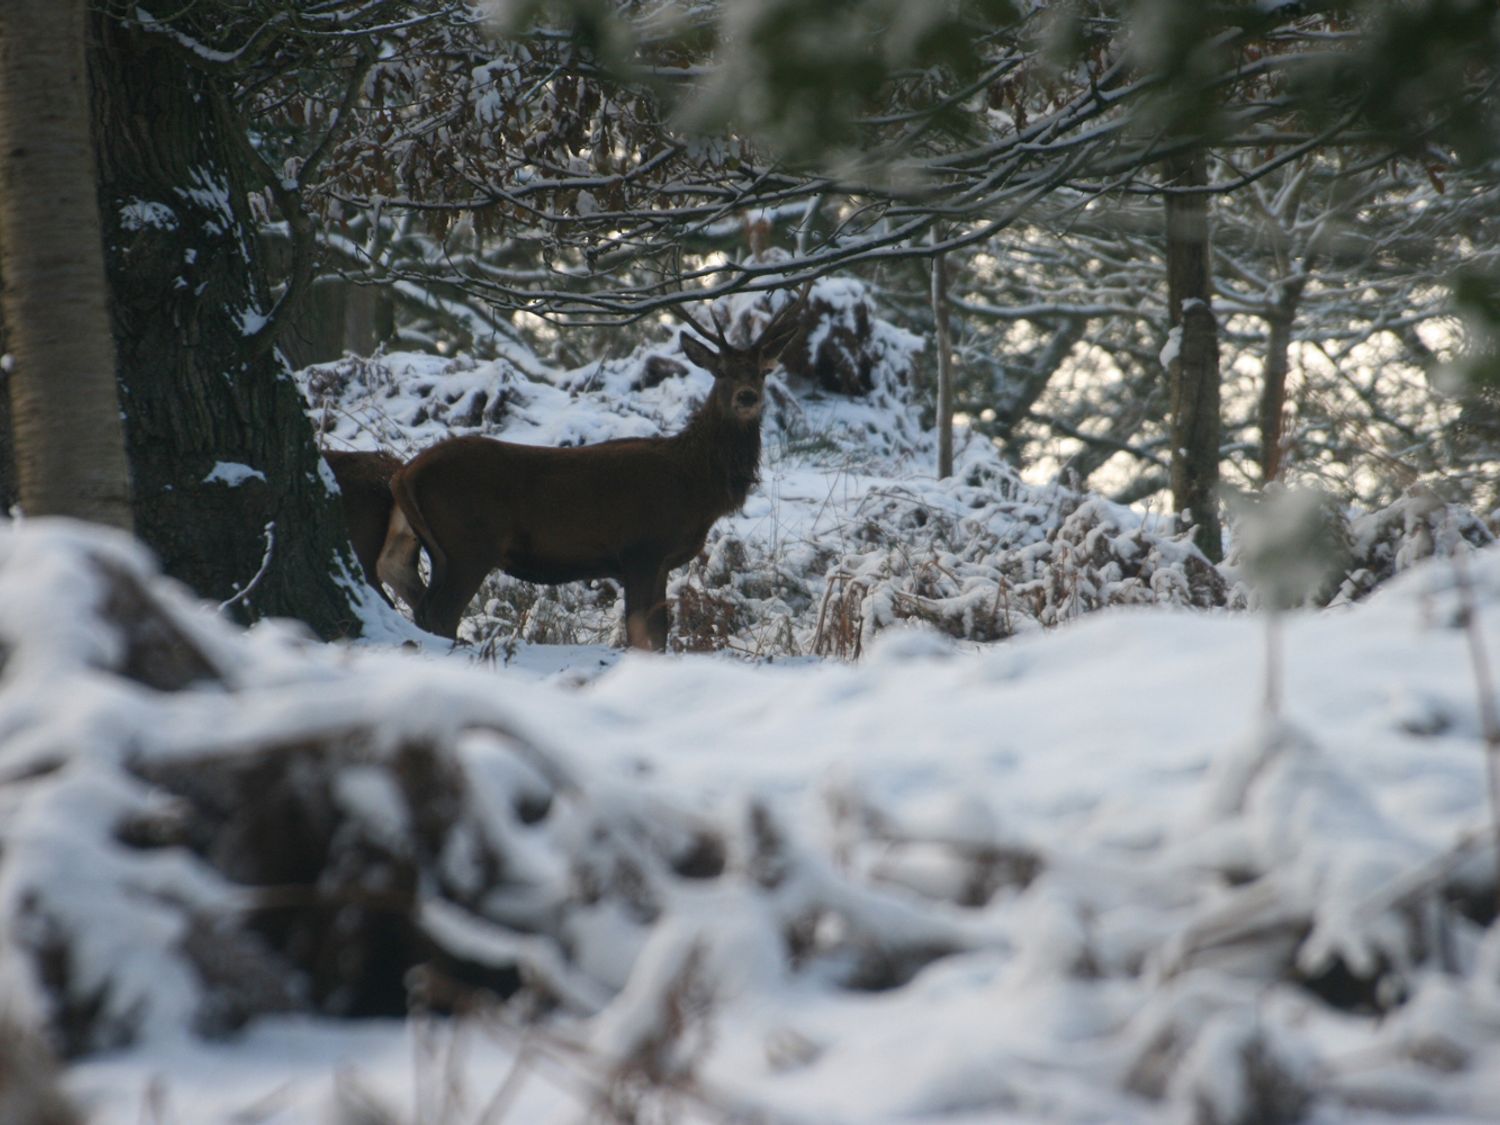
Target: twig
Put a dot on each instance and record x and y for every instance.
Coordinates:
(1489, 720)
(265, 565)
(1272, 703)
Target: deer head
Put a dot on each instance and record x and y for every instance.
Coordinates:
(740, 372)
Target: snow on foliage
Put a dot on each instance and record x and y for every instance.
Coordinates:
(844, 538)
(1066, 878)
(1070, 877)
(848, 533)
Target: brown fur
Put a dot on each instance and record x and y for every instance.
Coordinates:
(631, 510)
(365, 487)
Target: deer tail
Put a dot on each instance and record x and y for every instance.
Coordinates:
(406, 499)
(409, 531)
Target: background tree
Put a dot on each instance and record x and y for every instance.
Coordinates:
(597, 163)
(1031, 137)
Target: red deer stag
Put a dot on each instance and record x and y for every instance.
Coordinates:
(631, 509)
(365, 489)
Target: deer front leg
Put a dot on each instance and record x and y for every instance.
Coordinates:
(646, 616)
(659, 617)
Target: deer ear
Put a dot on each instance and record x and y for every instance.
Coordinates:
(700, 353)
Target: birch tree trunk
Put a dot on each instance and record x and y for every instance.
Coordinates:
(67, 437)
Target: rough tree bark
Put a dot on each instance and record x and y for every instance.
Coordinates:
(230, 490)
(1194, 372)
(64, 426)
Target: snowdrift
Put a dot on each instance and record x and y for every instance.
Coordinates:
(1078, 876)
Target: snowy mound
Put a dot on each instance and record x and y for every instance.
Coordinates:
(1069, 878)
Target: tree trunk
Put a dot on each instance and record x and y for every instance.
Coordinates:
(1272, 410)
(10, 490)
(1272, 407)
(369, 318)
(944, 346)
(1194, 372)
(65, 430)
(230, 490)
(316, 333)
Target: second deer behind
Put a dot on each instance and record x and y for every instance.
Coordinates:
(631, 510)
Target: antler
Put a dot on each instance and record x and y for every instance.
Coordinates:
(784, 315)
(777, 322)
(717, 335)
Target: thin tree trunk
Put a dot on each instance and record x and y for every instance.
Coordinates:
(1023, 387)
(230, 490)
(68, 440)
(369, 318)
(1272, 410)
(1194, 372)
(1272, 407)
(944, 346)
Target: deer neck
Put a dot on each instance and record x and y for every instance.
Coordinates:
(725, 453)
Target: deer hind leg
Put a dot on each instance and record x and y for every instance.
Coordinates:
(397, 564)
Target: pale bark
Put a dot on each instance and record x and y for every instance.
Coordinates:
(68, 437)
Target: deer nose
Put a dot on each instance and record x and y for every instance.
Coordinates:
(746, 399)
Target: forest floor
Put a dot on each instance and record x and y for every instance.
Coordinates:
(974, 806)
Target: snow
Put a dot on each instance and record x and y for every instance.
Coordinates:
(1075, 875)
(1172, 348)
(140, 214)
(233, 474)
(1123, 753)
(250, 321)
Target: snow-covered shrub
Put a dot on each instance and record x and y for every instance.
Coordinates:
(847, 347)
(1055, 879)
(847, 534)
(203, 826)
(1353, 553)
(1395, 538)
(1006, 565)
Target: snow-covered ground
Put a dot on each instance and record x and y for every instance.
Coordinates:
(1077, 875)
